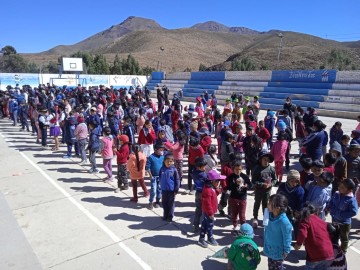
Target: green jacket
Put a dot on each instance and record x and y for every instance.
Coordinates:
(244, 254)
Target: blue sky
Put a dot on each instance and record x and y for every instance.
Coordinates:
(38, 25)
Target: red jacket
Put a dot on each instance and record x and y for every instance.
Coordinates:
(175, 116)
(313, 233)
(194, 153)
(149, 139)
(209, 201)
(122, 154)
(264, 134)
(205, 143)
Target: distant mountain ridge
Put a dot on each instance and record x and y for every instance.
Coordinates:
(213, 26)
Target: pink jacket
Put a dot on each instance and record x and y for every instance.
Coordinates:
(107, 152)
(278, 150)
(131, 166)
(177, 150)
(81, 131)
(140, 121)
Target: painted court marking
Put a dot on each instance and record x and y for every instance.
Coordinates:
(86, 212)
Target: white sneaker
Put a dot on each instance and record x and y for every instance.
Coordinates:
(255, 223)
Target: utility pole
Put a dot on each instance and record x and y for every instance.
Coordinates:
(280, 35)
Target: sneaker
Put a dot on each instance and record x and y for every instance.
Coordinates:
(117, 190)
(38, 142)
(157, 205)
(96, 171)
(203, 243)
(196, 229)
(213, 242)
(125, 187)
(135, 200)
(66, 156)
(91, 171)
(84, 162)
(187, 191)
(150, 206)
(255, 223)
(192, 192)
(109, 181)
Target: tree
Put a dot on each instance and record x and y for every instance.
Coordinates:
(117, 66)
(88, 61)
(244, 64)
(339, 59)
(202, 67)
(100, 65)
(13, 63)
(147, 70)
(7, 50)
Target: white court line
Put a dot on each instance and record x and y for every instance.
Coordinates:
(355, 249)
(86, 212)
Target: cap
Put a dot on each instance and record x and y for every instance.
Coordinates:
(214, 175)
(124, 138)
(247, 230)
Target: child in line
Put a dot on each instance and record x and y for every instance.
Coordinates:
(263, 179)
(336, 132)
(237, 184)
(107, 154)
(278, 232)
(244, 253)
(177, 150)
(147, 138)
(170, 184)
(94, 145)
(343, 207)
(314, 235)
(81, 134)
(306, 171)
(329, 161)
(344, 142)
(211, 161)
(136, 167)
(319, 192)
(153, 165)
(122, 153)
(279, 153)
(339, 262)
(199, 177)
(340, 167)
(209, 204)
(195, 150)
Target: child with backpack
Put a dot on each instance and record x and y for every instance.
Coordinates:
(107, 144)
(93, 146)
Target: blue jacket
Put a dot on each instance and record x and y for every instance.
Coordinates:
(129, 131)
(314, 143)
(277, 237)
(94, 140)
(169, 179)
(154, 164)
(199, 179)
(319, 197)
(70, 125)
(294, 195)
(270, 124)
(343, 208)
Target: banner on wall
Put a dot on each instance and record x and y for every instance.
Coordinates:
(313, 76)
(18, 78)
(128, 80)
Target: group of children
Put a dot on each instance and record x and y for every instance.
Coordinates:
(219, 176)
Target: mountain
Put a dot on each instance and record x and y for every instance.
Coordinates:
(210, 43)
(218, 27)
(109, 35)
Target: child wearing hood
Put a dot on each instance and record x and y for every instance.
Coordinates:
(343, 207)
(340, 166)
(269, 122)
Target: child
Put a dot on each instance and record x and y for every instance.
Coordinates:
(209, 204)
(343, 207)
(329, 161)
(353, 161)
(339, 262)
(153, 165)
(319, 192)
(107, 154)
(340, 166)
(70, 139)
(211, 162)
(305, 173)
(314, 235)
(279, 153)
(122, 153)
(81, 134)
(316, 168)
(199, 177)
(263, 178)
(129, 130)
(55, 129)
(136, 167)
(336, 133)
(355, 135)
(299, 130)
(237, 184)
(93, 146)
(244, 253)
(147, 138)
(270, 126)
(169, 183)
(177, 150)
(344, 143)
(195, 150)
(264, 134)
(278, 232)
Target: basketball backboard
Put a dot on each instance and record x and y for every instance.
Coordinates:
(72, 64)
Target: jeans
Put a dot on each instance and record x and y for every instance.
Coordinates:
(155, 189)
(190, 184)
(92, 159)
(198, 209)
(168, 201)
(70, 146)
(261, 197)
(43, 136)
(207, 227)
(24, 123)
(82, 144)
(321, 265)
(14, 117)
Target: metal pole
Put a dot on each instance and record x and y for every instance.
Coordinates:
(280, 46)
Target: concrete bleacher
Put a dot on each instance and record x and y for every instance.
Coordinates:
(332, 93)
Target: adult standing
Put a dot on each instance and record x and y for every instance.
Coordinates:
(314, 141)
(288, 105)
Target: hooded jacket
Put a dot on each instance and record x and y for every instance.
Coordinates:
(340, 163)
(343, 207)
(94, 141)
